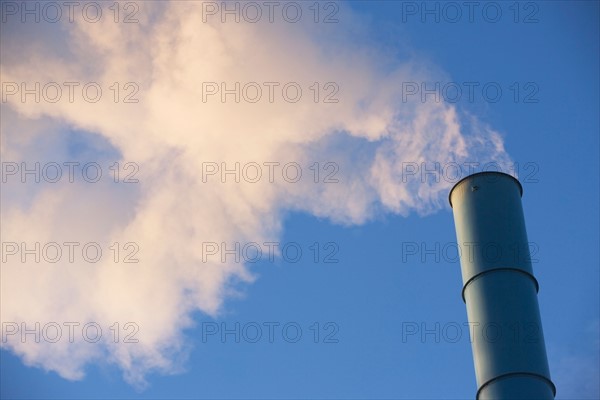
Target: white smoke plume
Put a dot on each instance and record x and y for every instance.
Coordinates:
(175, 137)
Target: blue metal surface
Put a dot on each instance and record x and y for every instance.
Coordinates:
(499, 289)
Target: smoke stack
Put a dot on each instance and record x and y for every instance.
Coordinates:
(499, 289)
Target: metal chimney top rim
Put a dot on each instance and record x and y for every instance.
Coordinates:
(484, 173)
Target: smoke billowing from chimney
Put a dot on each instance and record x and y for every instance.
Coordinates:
(171, 63)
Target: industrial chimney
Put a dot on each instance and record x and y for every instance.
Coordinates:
(499, 289)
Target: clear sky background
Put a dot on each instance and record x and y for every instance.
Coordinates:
(362, 304)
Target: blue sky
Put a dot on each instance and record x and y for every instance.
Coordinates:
(362, 304)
